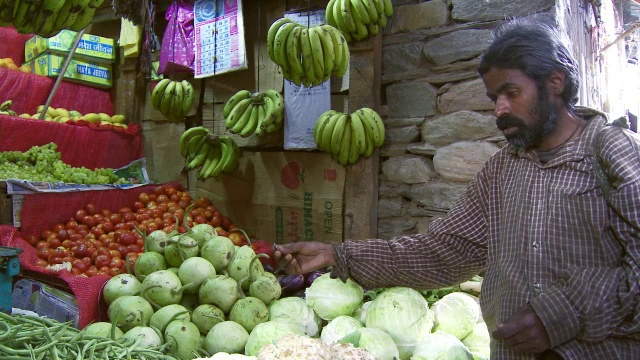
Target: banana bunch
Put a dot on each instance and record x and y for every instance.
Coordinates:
(347, 136)
(213, 157)
(47, 17)
(4, 108)
(259, 113)
(307, 55)
(357, 19)
(173, 99)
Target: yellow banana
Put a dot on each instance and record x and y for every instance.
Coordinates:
(338, 133)
(234, 100)
(236, 113)
(345, 146)
(307, 56)
(316, 51)
(271, 35)
(359, 135)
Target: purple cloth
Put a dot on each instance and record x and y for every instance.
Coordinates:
(177, 54)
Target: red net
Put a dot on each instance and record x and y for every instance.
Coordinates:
(12, 44)
(41, 211)
(78, 145)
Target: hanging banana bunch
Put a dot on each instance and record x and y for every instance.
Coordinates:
(212, 157)
(357, 19)
(173, 99)
(259, 113)
(348, 136)
(47, 17)
(307, 55)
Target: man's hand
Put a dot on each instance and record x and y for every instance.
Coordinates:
(305, 256)
(524, 332)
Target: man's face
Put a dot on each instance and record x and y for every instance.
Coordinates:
(524, 112)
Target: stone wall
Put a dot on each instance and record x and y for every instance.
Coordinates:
(440, 127)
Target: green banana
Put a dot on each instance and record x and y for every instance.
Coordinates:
(167, 97)
(250, 127)
(345, 146)
(373, 29)
(328, 14)
(194, 145)
(327, 50)
(316, 51)
(237, 112)
(375, 120)
(86, 15)
(388, 8)
(234, 100)
(23, 14)
(354, 150)
(188, 135)
(347, 15)
(327, 132)
(216, 169)
(271, 35)
(368, 148)
(361, 32)
(176, 103)
(382, 21)
(242, 121)
(307, 55)
(337, 15)
(379, 4)
(234, 154)
(6, 10)
(278, 101)
(269, 116)
(320, 124)
(338, 132)
(280, 44)
(359, 10)
(207, 162)
(216, 157)
(6, 105)
(69, 13)
(158, 91)
(188, 98)
(293, 52)
(200, 156)
(359, 136)
(371, 10)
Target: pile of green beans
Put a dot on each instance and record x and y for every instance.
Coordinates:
(30, 337)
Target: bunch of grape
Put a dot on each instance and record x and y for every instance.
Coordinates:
(43, 164)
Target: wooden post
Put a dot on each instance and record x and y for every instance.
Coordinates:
(361, 186)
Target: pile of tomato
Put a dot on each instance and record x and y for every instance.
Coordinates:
(102, 242)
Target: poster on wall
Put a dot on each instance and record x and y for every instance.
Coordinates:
(304, 105)
(219, 41)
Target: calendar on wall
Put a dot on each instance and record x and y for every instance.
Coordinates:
(219, 37)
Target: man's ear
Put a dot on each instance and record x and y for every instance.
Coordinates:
(557, 82)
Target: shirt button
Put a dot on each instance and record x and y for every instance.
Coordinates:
(536, 245)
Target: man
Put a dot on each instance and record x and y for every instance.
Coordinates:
(561, 257)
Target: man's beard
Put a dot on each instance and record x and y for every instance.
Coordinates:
(530, 136)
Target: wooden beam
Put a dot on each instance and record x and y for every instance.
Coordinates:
(361, 186)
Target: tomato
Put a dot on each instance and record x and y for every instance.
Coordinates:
(68, 244)
(89, 252)
(153, 197)
(102, 273)
(153, 227)
(45, 234)
(143, 198)
(33, 240)
(115, 218)
(57, 227)
(163, 206)
(113, 246)
(41, 262)
(102, 260)
(89, 221)
(168, 228)
(68, 259)
(117, 263)
(159, 190)
(91, 271)
(200, 219)
(235, 238)
(138, 205)
(131, 225)
(43, 253)
(162, 199)
(216, 220)
(221, 232)
(169, 190)
(79, 250)
(115, 254)
(208, 214)
(184, 203)
(42, 244)
(120, 226)
(226, 222)
(97, 231)
(105, 212)
(75, 271)
(54, 242)
(131, 258)
(133, 248)
(123, 250)
(90, 208)
(115, 271)
(126, 238)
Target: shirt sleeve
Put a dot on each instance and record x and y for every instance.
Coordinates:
(452, 251)
(591, 304)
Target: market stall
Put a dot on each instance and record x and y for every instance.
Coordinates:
(263, 123)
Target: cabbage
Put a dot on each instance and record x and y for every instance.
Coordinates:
(402, 313)
(331, 298)
(377, 342)
(456, 313)
(338, 328)
(268, 332)
(361, 312)
(441, 345)
(296, 309)
(478, 340)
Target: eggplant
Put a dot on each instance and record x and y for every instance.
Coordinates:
(269, 268)
(291, 284)
(311, 276)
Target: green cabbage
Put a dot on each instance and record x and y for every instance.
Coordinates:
(441, 345)
(456, 313)
(402, 313)
(478, 340)
(296, 309)
(338, 328)
(331, 298)
(377, 342)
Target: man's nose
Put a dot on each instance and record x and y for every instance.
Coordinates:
(502, 107)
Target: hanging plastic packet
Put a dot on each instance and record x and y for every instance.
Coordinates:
(177, 51)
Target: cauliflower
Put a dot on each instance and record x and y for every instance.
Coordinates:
(297, 347)
(226, 356)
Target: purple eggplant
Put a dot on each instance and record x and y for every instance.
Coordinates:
(291, 284)
(310, 277)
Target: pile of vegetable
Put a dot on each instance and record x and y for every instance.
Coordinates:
(100, 241)
(32, 337)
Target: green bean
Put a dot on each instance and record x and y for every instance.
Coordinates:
(26, 352)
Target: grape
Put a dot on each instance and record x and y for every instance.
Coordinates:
(43, 164)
